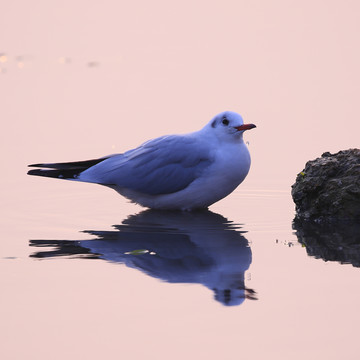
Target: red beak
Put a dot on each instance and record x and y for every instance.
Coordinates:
(245, 127)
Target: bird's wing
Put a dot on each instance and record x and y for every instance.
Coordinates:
(160, 166)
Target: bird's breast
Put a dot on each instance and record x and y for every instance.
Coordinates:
(232, 163)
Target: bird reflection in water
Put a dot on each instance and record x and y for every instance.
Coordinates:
(177, 247)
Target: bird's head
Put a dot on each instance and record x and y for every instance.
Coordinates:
(228, 125)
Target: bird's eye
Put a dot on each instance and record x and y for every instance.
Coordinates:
(225, 121)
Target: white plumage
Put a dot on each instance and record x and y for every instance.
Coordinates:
(174, 172)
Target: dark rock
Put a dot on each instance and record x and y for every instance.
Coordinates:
(328, 189)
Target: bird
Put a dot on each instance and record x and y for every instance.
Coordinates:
(173, 172)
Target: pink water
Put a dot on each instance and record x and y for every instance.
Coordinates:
(83, 80)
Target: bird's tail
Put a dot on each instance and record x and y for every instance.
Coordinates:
(67, 170)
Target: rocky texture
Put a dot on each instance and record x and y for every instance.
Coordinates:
(328, 189)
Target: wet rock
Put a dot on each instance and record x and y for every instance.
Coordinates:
(328, 189)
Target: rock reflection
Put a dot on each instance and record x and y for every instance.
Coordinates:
(330, 242)
(198, 247)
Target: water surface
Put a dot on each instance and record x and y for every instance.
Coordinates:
(87, 275)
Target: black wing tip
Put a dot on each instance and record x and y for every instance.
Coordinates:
(69, 170)
(55, 173)
(36, 165)
(73, 165)
(38, 172)
(42, 172)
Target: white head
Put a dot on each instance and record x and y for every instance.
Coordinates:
(228, 125)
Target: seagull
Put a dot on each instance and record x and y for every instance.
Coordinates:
(172, 172)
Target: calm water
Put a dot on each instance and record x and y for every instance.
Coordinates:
(85, 280)
(87, 275)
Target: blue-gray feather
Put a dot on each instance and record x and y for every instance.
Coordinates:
(161, 166)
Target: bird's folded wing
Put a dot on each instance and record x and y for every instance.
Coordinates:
(161, 166)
